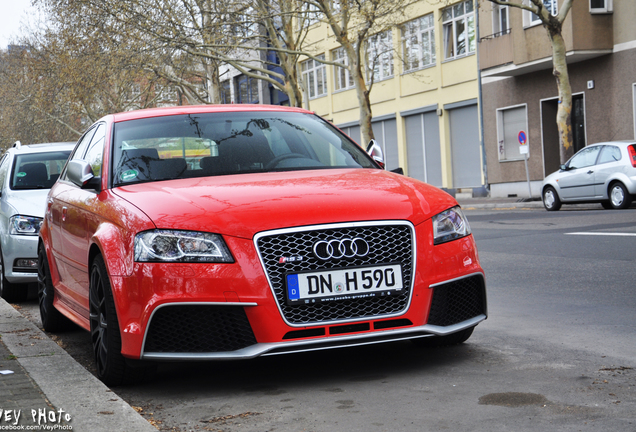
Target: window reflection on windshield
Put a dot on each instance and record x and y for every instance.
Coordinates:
(229, 143)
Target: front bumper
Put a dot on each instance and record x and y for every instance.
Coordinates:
(268, 349)
(221, 331)
(20, 247)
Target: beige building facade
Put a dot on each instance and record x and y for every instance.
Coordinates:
(424, 96)
(520, 92)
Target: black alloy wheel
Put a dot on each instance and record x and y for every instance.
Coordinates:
(105, 336)
(112, 368)
(52, 319)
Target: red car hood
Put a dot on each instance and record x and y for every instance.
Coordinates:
(242, 205)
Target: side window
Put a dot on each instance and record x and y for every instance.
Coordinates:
(80, 148)
(584, 158)
(95, 150)
(609, 154)
(4, 168)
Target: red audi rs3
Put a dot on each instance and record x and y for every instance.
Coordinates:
(237, 231)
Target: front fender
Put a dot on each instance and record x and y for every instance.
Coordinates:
(115, 247)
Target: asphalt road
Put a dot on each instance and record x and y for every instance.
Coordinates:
(558, 351)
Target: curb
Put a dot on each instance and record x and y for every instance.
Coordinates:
(65, 383)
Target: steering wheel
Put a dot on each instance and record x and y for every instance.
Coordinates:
(274, 162)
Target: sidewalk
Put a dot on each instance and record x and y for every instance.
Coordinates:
(49, 381)
(469, 203)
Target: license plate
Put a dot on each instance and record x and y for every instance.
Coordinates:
(343, 284)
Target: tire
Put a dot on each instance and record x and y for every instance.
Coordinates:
(451, 339)
(52, 319)
(112, 368)
(607, 205)
(9, 291)
(619, 196)
(551, 200)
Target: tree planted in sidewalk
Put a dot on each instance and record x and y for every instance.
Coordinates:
(553, 25)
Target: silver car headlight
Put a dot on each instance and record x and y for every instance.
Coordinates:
(24, 225)
(181, 246)
(450, 225)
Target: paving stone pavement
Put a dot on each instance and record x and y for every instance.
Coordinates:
(50, 389)
(18, 392)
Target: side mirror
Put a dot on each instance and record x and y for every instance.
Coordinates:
(81, 174)
(563, 167)
(375, 151)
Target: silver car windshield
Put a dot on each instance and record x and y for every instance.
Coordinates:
(209, 144)
(37, 170)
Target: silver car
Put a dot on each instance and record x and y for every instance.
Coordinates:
(27, 172)
(603, 173)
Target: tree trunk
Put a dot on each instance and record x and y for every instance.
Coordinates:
(362, 93)
(560, 72)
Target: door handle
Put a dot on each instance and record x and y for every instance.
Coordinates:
(590, 172)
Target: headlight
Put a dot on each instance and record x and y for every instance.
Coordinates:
(181, 246)
(450, 225)
(24, 225)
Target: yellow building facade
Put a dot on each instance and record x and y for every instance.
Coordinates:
(424, 96)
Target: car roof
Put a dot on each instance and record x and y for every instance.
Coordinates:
(43, 147)
(619, 143)
(199, 109)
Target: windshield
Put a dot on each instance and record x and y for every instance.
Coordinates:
(210, 144)
(37, 170)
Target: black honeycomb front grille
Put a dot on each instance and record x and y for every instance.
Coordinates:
(198, 329)
(458, 301)
(387, 244)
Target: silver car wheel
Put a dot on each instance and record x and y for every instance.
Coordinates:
(617, 196)
(549, 198)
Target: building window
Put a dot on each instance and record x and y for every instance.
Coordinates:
(165, 95)
(500, 20)
(418, 43)
(342, 78)
(309, 14)
(511, 121)
(530, 19)
(601, 6)
(380, 56)
(247, 90)
(226, 92)
(459, 30)
(315, 77)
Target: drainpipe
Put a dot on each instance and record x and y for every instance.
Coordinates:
(481, 104)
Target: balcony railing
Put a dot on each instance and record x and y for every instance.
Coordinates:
(496, 50)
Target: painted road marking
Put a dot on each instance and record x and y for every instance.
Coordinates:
(603, 234)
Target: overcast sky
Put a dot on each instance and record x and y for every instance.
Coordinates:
(14, 15)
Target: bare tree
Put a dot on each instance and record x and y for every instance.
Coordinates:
(191, 40)
(352, 23)
(554, 27)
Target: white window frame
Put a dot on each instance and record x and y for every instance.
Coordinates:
(530, 19)
(380, 56)
(418, 43)
(499, 12)
(501, 144)
(607, 8)
(314, 76)
(341, 75)
(455, 17)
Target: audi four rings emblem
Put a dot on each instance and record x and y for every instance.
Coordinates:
(341, 248)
